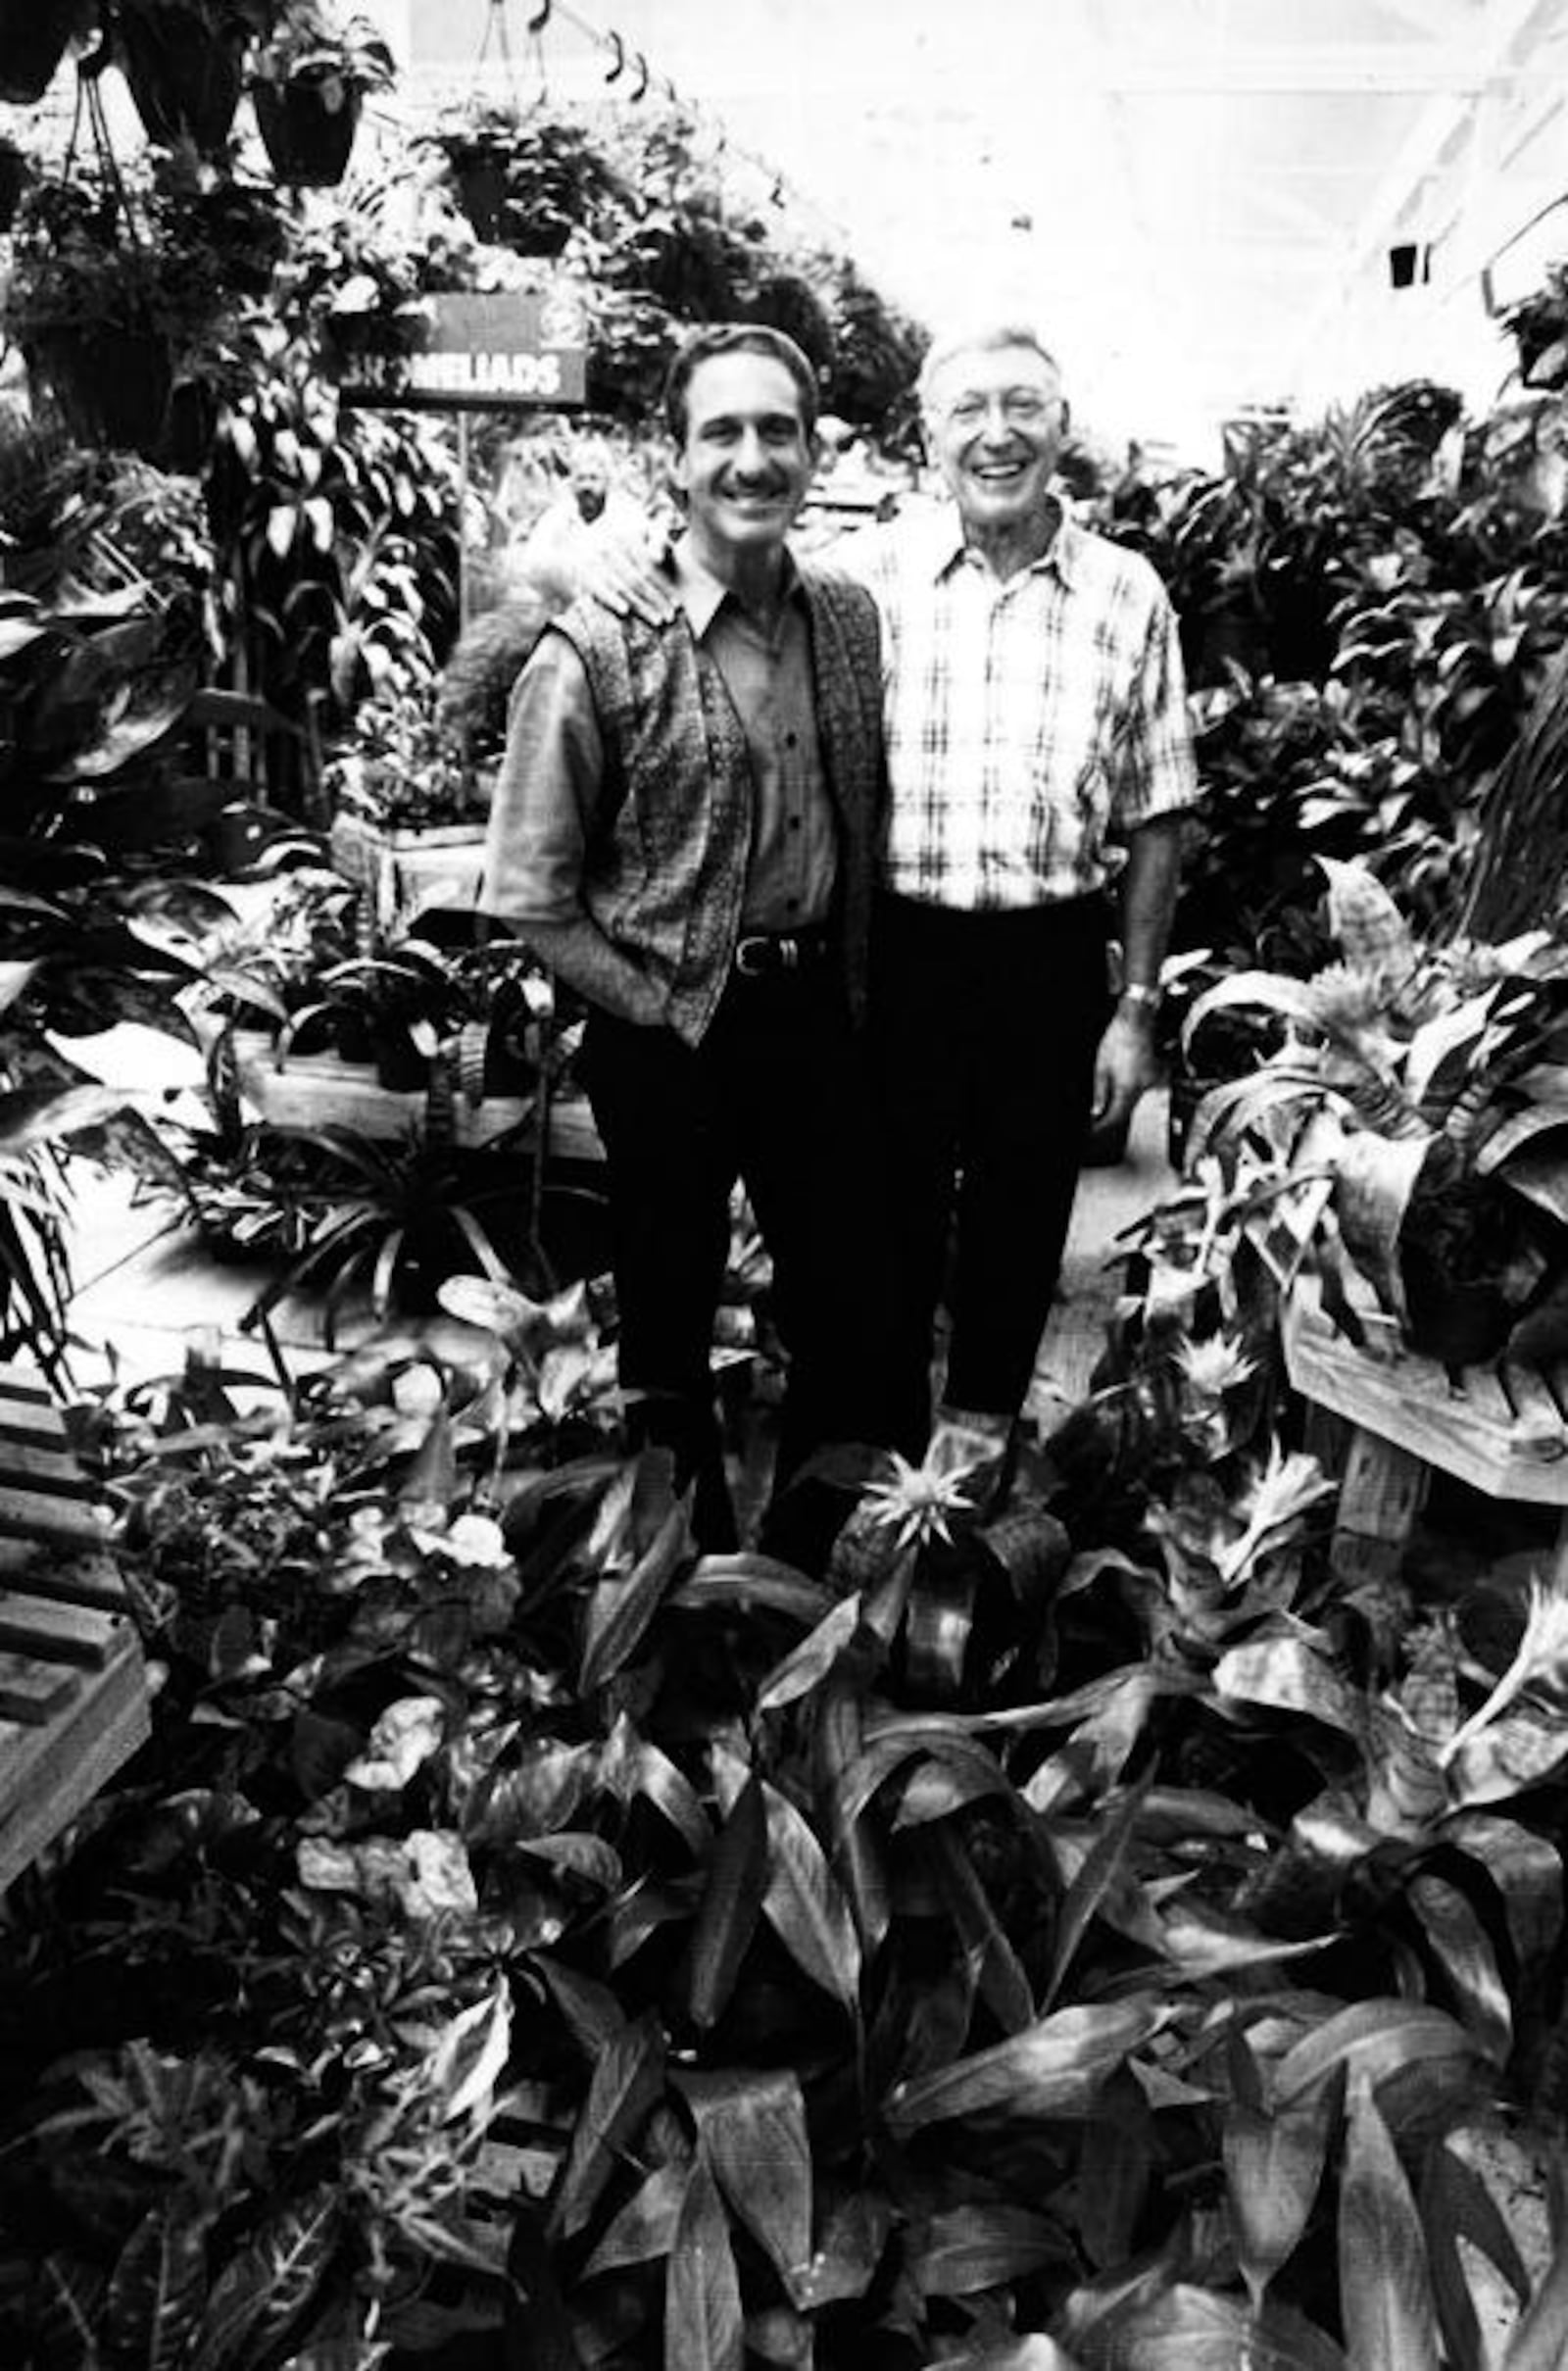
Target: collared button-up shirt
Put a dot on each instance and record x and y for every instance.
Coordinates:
(1032, 724)
(556, 746)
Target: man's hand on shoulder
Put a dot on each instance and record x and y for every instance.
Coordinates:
(623, 573)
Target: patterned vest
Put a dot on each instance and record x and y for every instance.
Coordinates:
(666, 870)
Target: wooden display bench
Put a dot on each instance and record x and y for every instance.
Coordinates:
(1501, 1429)
(309, 1092)
(73, 1680)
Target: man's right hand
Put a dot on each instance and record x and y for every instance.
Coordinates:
(624, 573)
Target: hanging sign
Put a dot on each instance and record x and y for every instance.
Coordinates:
(506, 352)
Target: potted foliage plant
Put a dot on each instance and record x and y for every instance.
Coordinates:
(34, 35)
(523, 180)
(185, 62)
(1408, 1100)
(307, 89)
(113, 309)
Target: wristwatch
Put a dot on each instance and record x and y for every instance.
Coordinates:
(1138, 992)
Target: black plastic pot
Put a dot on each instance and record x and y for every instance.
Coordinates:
(112, 385)
(33, 41)
(185, 78)
(307, 143)
(1460, 1321)
(481, 189)
(15, 175)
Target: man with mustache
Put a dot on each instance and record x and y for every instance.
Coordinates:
(685, 827)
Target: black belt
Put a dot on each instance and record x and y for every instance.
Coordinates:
(765, 954)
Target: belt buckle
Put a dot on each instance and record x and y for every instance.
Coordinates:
(761, 956)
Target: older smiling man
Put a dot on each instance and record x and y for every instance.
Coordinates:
(1039, 752)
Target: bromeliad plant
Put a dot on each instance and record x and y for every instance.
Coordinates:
(524, 1931)
(1411, 1097)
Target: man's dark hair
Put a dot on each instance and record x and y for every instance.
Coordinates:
(735, 337)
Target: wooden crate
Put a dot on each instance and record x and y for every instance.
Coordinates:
(72, 1680)
(1503, 1429)
(401, 873)
(308, 1092)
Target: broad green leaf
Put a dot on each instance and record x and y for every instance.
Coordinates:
(949, 1779)
(1204, 1942)
(1455, 2203)
(1370, 2040)
(463, 2069)
(1116, 2162)
(999, 1973)
(432, 1476)
(1186, 2328)
(752, 2127)
(856, 1853)
(804, 1904)
(1273, 2167)
(630, 1765)
(1053, 2068)
(809, 1663)
(36, 1116)
(619, 1610)
(1527, 1871)
(536, 2324)
(753, 1580)
(850, 2239)
(1286, 1673)
(703, 2322)
(1386, 2300)
(157, 2288)
(590, 2012)
(1462, 1949)
(1036, 2353)
(628, 2078)
(982, 2247)
(264, 2292)
(1540, 2341)
(735, 1883)
(1095, 1875)
(1513, 1752)
(645, 2228)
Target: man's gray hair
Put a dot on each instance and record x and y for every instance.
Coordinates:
(983, 337)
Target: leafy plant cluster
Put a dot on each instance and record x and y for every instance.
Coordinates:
(1370, 608)
(1407, 1100)
(1061, 1927)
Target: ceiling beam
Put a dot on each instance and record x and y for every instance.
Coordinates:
(1434, 20)
(1323, 70)
(1508, 25)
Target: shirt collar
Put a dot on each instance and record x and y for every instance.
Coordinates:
(1060, 558)
(701, 594)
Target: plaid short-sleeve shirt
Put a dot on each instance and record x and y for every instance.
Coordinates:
(1031, 724)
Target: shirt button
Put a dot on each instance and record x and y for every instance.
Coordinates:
(790, 740)
(794, 823)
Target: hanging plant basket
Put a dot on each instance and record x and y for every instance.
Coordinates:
(308, 140)
(33, 41)
(184, 77)
(112, 385)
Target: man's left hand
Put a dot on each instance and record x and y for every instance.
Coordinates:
(1125, 1064)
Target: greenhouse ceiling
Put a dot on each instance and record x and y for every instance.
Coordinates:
(1198, 199)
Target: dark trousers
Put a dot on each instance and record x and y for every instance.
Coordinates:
(777, 1096)
(984, 1027)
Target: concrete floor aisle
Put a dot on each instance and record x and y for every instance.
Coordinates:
(146, 1287)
